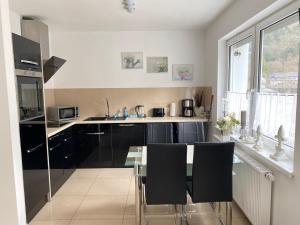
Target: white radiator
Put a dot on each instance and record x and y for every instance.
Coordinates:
(252, 189)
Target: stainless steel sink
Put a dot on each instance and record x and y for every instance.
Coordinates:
(101, 118)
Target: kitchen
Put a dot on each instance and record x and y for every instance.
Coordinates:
(95, 89)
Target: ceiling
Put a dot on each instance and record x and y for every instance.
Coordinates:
(96, 15)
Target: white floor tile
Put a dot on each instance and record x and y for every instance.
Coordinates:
(102, 207)
(110, 186)
(57, 222)
(60, 208)
(115, 172)
(86, 173)
(76, 186)
(97, 222)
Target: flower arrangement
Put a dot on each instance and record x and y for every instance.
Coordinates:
(227, 123)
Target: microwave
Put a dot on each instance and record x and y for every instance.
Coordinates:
(62, 113)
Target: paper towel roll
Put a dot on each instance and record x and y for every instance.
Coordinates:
(172, 109)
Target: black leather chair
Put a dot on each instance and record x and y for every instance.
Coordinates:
(212, 174)
(166, 174)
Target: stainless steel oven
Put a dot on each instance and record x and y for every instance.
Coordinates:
(30, 94)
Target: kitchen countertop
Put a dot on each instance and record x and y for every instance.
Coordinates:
(52, 131)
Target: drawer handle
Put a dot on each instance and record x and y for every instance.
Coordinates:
(51, 138)
(34, 149)
(56, 146)
(68, 156)
(126, 125)
(97, 133)
(67, 139)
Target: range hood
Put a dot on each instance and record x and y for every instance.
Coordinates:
(35, 30)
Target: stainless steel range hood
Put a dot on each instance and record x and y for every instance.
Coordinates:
(34, 29)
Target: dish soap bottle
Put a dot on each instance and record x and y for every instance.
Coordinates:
(125, 112)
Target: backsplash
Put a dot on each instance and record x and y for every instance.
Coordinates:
(92, 101)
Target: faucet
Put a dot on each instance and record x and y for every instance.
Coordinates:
(107, 105)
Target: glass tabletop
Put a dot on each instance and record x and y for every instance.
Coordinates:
(137, 157)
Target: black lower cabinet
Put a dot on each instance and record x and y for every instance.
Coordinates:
(190, 132)
(35, 166)
(159, 133)
(94, 149)
(124, 136)
(61, 158)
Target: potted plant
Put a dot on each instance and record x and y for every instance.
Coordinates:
(226, 125)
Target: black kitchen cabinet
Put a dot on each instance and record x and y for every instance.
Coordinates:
(35, 166)
(69, 163)
(56, 161)
(190, 132)
(159, 133)
(94, 148)
(61, 158)
(124, 136)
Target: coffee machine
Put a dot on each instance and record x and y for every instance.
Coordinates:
(187, 107)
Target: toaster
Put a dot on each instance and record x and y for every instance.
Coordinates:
(158, 112)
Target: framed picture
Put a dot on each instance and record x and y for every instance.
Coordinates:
(132, 60)
(157, 64)
(183, 71)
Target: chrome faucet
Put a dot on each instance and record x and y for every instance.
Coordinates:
(107, 105)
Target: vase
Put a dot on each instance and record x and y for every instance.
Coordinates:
(225, 136)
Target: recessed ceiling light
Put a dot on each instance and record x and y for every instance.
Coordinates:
(129, 5)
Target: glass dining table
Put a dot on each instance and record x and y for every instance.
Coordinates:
(137, 158)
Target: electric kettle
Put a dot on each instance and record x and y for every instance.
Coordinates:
(140, 111)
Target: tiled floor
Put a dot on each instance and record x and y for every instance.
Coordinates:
(106, 197)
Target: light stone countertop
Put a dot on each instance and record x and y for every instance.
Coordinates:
(52, 131)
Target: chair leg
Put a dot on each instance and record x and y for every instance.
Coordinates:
(228, 213)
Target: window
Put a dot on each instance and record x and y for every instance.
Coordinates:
(240, 51)
(273, 101)
(280, 56)
(240, 65)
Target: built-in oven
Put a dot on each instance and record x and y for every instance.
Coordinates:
(30, 94)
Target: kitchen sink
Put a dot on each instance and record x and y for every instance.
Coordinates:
(97, 118)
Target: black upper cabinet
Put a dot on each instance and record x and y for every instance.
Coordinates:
(94, 146)
(124, 136)
(190, 132)
(159, 133)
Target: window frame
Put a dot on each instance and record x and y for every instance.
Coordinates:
(256, 32)
(235, 40)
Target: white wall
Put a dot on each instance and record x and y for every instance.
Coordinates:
(15, 22)
(12, 204)
(240, 15)
(94, 58)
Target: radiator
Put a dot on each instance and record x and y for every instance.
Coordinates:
(252, 189)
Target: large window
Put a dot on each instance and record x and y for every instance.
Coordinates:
(273, 78)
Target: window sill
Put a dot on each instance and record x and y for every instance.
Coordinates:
(286, 166)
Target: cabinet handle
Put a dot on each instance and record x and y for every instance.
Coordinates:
(34, 149)
(51, 138)
(67, 139)
(97, 133)
(126, 125)
(24, 61)
(68, 156)
(56, 146)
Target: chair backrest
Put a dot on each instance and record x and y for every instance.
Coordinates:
(212, 172)
(166, 174)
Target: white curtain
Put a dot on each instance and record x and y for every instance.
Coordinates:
(273, 110)
(237, 102)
